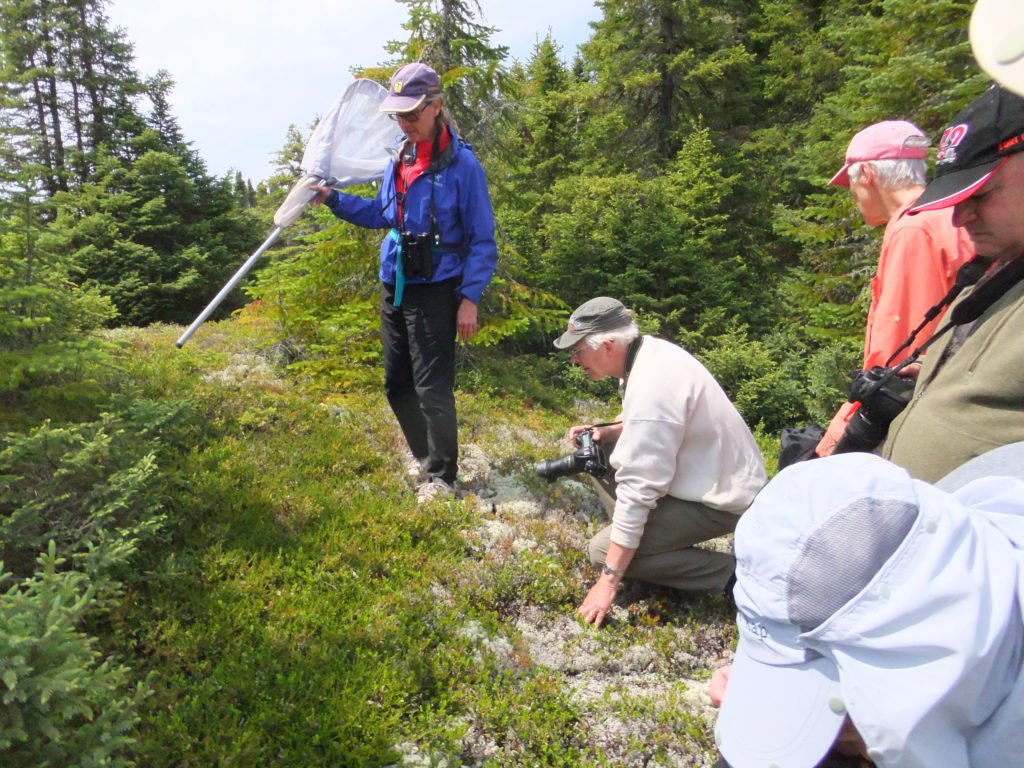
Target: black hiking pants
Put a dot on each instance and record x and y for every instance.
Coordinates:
(419, 370)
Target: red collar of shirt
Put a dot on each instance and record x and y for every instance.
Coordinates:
(424, 151)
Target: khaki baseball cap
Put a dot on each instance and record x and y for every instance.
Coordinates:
(598, 315)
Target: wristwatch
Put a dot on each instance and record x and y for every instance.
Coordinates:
(608, 570)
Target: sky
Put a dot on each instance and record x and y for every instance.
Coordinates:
(244, 70)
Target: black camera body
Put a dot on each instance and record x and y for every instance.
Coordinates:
(418, 253)
(882, 396)
(590, 458)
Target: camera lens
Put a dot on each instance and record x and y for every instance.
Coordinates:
(861, 434)
(552, 469)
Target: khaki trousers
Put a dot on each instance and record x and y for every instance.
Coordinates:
(667, 555)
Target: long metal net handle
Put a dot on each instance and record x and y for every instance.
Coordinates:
(228, 287)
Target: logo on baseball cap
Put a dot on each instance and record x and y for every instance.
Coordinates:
(972, 148)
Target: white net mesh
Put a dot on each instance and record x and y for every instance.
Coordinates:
(351, 144)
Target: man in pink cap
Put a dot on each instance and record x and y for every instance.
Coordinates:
(886, 170)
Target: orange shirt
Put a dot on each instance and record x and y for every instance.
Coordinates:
(917, 265)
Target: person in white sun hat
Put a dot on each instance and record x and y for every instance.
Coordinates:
(881, 615)
(997, 40)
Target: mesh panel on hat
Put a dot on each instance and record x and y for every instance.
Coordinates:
(839, 559)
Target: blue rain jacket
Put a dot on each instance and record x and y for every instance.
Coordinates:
(462, 207)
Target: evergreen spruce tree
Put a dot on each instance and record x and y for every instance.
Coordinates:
(660, 67)
(448, 36)
(901, 60)
(69, 86)
(536, 147)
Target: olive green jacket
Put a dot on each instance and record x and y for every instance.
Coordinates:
(973, 404)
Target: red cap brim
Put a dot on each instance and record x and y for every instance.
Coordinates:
(842, 178)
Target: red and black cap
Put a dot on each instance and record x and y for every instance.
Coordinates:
(972, 148)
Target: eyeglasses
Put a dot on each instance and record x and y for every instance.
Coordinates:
(410, 117)
(578, 350)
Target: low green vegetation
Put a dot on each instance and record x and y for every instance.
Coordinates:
(234, 572)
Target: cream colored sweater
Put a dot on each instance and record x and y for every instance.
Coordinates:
(681, 437)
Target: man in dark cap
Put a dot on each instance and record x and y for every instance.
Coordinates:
(686, 465)
(969, 396)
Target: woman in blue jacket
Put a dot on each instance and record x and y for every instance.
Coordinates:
(435, 263)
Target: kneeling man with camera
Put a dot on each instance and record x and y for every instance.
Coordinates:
(685, 464)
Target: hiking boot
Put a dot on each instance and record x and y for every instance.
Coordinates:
(435, 488)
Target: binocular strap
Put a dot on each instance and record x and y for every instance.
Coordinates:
(399, 271)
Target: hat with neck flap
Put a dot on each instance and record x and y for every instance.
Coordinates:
(862, 592)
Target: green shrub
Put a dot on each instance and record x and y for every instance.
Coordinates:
(765, 381)
(828, 376)
(321, 294)
(93, 488)
(550, 380)
(44, 316)
(96, 492)
(60, 704)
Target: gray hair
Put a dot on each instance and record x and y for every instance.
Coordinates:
(894, 174)
(442, 116)
(620, 336)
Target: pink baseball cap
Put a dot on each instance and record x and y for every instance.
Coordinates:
(888, 140)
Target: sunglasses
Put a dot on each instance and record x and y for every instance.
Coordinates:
(410, 117)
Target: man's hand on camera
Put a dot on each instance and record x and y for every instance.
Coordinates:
(911, 371)
(609, 434)
(574, 432)
(606, 435)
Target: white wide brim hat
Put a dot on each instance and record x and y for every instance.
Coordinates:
(832, 558)
(997, 39)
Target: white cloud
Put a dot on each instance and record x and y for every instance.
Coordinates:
(244, 70)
